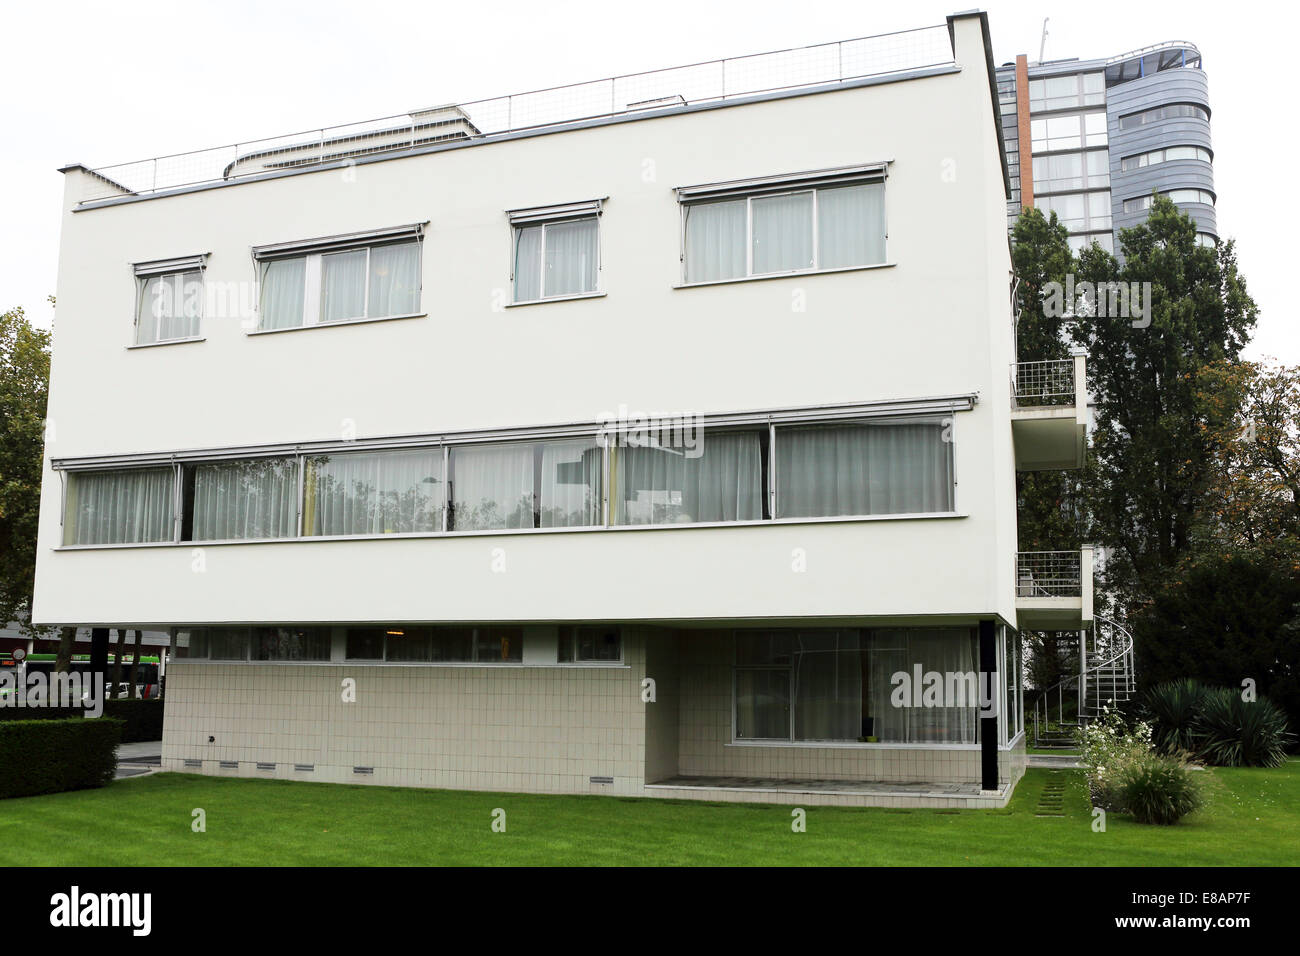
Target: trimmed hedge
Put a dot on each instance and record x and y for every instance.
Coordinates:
(50, 756)
(143, 719)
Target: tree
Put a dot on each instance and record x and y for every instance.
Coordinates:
(24, 381)
(1254, 494)
(1154, 441)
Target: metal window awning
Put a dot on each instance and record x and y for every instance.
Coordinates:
(843, 175)
(157, 267)
(350, 240)
(589, 207)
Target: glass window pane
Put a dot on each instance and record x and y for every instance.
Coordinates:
(891, 467)
(119, 507)
(343, 286)
(394, 280)
(590, 643)
(388, 492)
(659, 485)
(498, 645)
(763, 705)
(769, 648)
(782, 240)
(830, 679)
(572, 482)
(571, 257)
(255, 498)
(452, 645)
(492, 487)
(365, 644)
(291, 644)
(952, 718)
(410, 644)
(228, 643)
(284, 284)
(851, 226)
(528, 263)
(715, 241)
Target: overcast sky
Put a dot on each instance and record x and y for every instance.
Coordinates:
(102, 84)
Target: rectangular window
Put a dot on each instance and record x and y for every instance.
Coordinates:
(722, 479)
(127, 506)
(556, 259)
(733, 231)
(892, 466)
(290, 644)
(551, 484)
(168, 307)
(249, 498)
(378, 492)
(345, 279)
(587, 643)
(839, 685)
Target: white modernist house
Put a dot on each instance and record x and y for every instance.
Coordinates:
(666, 449)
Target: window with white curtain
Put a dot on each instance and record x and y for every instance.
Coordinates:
(558, 258)
(550, 484)
(839, 226)
(839, 685)
(125, 506)
(249, 498)
(375, 281)
(169, 306)
(373, 492)
(889, 466)
(720, 480)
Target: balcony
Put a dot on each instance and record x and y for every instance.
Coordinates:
(1054, 589)
(1049, 413)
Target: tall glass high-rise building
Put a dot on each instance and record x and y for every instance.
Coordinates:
(1091, 140)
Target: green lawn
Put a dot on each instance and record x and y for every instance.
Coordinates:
(1253, 819)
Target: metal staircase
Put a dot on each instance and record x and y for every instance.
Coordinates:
(1105, 677)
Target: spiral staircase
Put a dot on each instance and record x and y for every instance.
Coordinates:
(1104, 677)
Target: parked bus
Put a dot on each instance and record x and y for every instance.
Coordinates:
(146, 671)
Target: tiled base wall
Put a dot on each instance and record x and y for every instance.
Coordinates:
(533, 729)
(498, 727)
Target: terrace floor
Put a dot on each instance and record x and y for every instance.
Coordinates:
(837, 792)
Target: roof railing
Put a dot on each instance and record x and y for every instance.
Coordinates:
(631, 95)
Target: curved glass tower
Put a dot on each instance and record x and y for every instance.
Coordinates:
(1104, 135)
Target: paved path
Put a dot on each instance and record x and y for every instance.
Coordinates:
(137, 759)
(1052, 761)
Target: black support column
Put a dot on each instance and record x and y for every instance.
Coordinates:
(99, 655)
(989, 721)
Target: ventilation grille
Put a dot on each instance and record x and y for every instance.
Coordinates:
(305, 767)
(601, 779)
(230, 765)
(363, 769)
(191, 762)
(265, 766)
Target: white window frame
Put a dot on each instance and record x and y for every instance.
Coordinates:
(774, 186)
(313, 253)
(546, 216)
(162, 269)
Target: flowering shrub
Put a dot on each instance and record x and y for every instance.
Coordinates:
(1108, 748)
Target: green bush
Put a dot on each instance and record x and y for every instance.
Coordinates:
(1158, 789)
(1172, 708)
(50, 756)
(143, 718)
(1231, 732)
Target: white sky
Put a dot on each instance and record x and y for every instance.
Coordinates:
(102, 84)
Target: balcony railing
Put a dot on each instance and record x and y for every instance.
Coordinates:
(1049, 574)
(1038, 384)
(678, 87)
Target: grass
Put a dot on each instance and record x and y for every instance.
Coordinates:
(1252, 819)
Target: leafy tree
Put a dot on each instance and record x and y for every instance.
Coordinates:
(24, 379)
(1155, 439)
